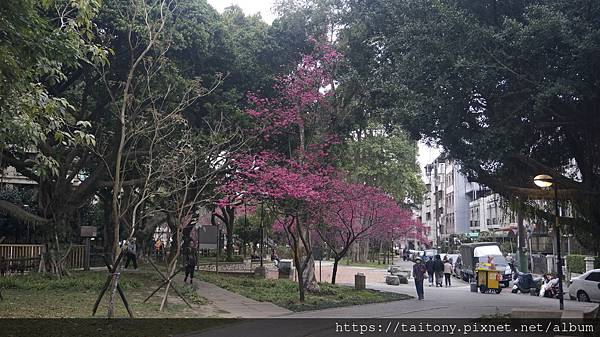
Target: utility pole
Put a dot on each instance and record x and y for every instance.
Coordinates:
(437, 210)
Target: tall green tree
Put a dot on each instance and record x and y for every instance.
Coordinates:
(42, 44)
(387, 160)
(509, 88)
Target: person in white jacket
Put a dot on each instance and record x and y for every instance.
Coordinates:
(549, 282)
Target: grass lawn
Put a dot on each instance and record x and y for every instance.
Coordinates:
(44, 296)
(284, 293)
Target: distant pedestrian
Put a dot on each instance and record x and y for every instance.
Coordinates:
(418, 272)
(438, 269)
(274, 257)
(429, 266)
(158, 248)
(447, 272)
(131, 253)
(190, 264)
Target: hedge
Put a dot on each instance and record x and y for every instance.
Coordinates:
(576, 263)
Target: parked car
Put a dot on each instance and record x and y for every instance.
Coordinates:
(586, 287)
(413, 254)
(431, 252)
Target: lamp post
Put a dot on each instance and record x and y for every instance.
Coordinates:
(262, 235)
(546, 181)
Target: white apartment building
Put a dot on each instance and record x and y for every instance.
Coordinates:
(445, 207)
(453, 205)
(488, 212)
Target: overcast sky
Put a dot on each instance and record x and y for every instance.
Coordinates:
(248, 6)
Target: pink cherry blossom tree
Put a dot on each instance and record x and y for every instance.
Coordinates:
(292, 180)
(355, 211)
(290, 188)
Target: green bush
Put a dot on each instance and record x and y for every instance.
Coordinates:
(237, 258)
(284, 252)
(576, 263)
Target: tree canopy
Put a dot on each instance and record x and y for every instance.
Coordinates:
(508, 88)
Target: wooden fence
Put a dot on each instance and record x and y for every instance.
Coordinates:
(17, 251)
(75, 259)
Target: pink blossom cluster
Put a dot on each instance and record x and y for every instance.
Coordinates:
(305, 89)
(345, 211)
(357, 210)
(270, 176)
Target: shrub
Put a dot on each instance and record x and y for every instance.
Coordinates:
(283, 251)
(236, 258)
(576, 263)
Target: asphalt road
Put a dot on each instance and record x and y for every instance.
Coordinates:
(455, 305)
(455, 302)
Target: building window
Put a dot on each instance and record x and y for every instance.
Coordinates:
(427, 216)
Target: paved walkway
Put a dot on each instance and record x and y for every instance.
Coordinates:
(237, 306)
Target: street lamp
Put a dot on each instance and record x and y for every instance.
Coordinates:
(546, 181)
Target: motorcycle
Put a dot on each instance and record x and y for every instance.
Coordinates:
(526, 283)
(550, 287)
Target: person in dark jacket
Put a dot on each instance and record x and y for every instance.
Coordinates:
(190, 264)
(418, 272)
(438, 270)
(429, 267)
(130, 253)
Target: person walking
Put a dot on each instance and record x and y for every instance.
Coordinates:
(418, 272)
(274, 257)
(131, 253)
(429, 267)
(438, 269)
(447, 272)
(158, 248)
(190, 264)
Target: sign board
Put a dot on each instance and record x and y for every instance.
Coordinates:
(318, 253)
(88, 231)
(473, 234)
(207, 237)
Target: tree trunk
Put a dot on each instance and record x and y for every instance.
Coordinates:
(171, 222)
(521, 239)
(336, 260)
(108, 229)
(229, 227)
(363, 250)
(310, 277)
(299, 273)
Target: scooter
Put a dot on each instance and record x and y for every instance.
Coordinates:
(550, 288)
(526, 283)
